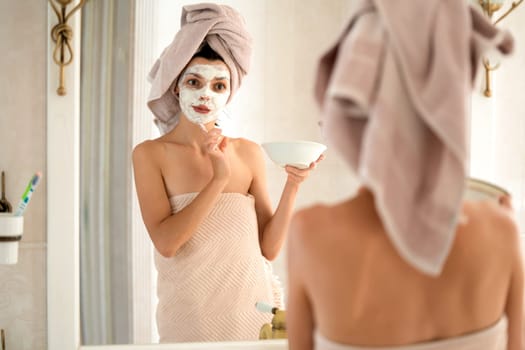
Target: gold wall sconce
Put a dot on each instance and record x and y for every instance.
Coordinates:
(62, 34)
(490, 7)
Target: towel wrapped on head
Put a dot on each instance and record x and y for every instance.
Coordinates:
(395, 93)
(223, 28)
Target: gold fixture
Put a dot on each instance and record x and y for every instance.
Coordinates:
(62, 34)
(276, 330)
(490, 7)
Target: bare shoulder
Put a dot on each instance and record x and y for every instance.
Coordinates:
(147, 148)
(246, 147)
(307, 222)
(248, 151)
(148, 151)
(494, 216)
(303, 235)
(495, 223)
(314, 213)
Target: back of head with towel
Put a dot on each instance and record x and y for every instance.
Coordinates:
(406, 262)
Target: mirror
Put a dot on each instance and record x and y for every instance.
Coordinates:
(118, 277)
(297, 59)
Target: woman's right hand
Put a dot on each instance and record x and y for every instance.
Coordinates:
(216, 145)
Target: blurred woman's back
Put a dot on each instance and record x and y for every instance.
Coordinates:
(345, 273)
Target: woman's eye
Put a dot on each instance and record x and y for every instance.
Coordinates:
(192, 82)
(220, 87)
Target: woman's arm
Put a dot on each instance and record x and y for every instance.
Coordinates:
(514, 306)
(169, 231)
(273, 226)
(299, 315)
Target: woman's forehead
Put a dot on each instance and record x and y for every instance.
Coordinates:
(205, 67)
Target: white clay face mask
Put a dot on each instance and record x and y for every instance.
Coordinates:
(203, 92)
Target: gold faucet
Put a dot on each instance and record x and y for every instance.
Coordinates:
(277, 329)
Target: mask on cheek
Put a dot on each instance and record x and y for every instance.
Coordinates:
(203, 105)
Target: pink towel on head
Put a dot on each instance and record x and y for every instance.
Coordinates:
(224, 30)
(394, 93)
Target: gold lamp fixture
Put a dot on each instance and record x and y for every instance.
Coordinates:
(490, 7)
(62, 34)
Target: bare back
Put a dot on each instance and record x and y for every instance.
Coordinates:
(359, 291)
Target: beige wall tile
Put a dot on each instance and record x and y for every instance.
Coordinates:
(23, 42)
(23, 299)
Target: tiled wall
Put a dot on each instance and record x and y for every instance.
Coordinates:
(23, 42)
(296, 33)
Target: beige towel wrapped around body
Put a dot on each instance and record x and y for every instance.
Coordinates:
(491, 338)
(223, 28)
(208, 290)
(395, 94)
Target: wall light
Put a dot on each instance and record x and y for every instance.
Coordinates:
(490, 7)
(62, 34)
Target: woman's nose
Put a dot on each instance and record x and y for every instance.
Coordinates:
(204, 98)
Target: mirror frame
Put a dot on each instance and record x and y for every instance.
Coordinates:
(63, 273)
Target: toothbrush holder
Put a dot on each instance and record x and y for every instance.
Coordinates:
(11, 229)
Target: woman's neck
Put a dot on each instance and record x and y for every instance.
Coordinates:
(190, 133)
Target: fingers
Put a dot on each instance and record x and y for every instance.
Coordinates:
(313, 165)
(215, 146)
(214, 139)
(296, 171)
(214, 135)
(297, 175)
(223, 144)
(304, 172)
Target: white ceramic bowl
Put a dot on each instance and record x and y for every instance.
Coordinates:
(483, 190)
(299, 154)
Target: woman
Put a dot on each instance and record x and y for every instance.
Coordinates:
(406, 263)
(350, 286)
(203, 196)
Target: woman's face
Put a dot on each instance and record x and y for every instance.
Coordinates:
(204, 89)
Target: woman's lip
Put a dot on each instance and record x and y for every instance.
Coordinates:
(201, 109)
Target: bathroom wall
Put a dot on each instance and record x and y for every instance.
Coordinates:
(498, 123)
(23, 152)
(296, 36)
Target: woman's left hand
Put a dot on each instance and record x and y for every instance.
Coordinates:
(296, 175)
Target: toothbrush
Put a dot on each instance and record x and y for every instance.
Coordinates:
(27, 194)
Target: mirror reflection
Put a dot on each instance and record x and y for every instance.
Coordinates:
(128, 268)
